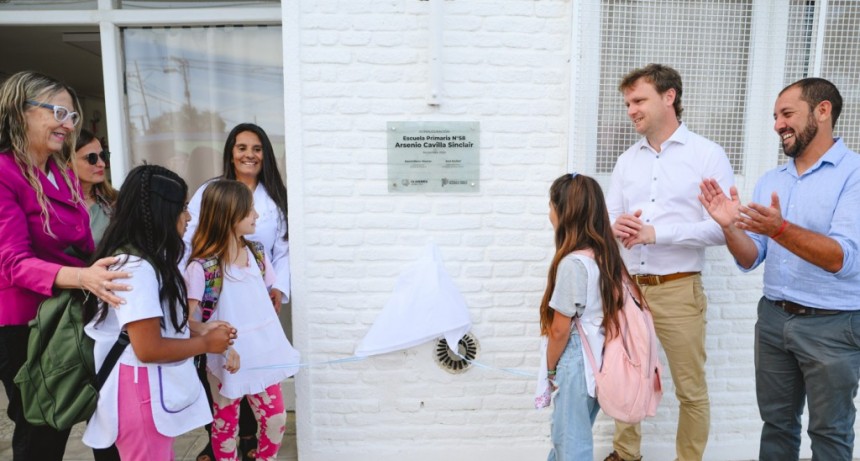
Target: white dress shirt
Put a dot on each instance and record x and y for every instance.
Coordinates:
(665, 186)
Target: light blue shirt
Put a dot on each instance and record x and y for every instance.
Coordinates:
(824, 199)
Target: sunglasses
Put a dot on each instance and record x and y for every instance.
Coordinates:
(92, 158)
(61, 113)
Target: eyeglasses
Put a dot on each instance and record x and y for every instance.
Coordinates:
(92, 158)
(61, 113)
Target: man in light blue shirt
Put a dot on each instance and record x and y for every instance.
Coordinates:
(804, 223)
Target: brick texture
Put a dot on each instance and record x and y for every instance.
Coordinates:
(506, 65)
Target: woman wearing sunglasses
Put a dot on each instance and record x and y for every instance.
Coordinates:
(45, 237)
(90, 160)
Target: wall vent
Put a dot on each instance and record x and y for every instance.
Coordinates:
(467, 347)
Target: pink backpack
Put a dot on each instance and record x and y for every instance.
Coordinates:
(628, 383)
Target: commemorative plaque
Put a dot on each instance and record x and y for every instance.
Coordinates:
(433, 156)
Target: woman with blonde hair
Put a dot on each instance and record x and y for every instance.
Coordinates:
(46, 238)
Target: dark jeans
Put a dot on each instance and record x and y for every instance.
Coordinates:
(106, 454)
(811, 359)
(247, 420)
(29, 442)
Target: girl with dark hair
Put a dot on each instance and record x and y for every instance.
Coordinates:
(146, 234)
(89, 162)
(250, 159)
(227, 215)
(45, 231)
(590, 285)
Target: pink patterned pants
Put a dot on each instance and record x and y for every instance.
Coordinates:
(268, 407)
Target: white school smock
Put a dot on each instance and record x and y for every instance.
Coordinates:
(142, 303)
(244, 302)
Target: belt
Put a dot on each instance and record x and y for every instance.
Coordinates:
(647, 279)
(799, 309)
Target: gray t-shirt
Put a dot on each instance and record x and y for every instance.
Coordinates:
(571, 286)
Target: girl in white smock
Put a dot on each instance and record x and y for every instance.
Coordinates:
(249, 157)
(226, 216)
(152, 394)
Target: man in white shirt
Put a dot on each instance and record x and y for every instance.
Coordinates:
(664, 229)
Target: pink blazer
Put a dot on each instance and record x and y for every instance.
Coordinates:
(29, 257)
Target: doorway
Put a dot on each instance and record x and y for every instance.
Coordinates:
(69, 53)
(73, 55)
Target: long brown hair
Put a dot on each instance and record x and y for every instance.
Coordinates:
(583, 223)
(225, 202)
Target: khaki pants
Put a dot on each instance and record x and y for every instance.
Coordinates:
(679, 309)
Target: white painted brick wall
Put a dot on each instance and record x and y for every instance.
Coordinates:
(361, 63)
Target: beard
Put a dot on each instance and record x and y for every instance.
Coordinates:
(802, 139)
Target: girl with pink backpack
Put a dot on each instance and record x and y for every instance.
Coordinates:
(585, 280)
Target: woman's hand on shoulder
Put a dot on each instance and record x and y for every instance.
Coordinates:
(98, 279)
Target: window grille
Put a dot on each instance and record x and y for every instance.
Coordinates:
(834, 56)
(187, 87)
(708, 42)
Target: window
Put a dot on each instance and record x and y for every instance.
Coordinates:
(188, 87)
(826, 43)
(707, 42)
(727, 52)
(51, 5)
(158, 4)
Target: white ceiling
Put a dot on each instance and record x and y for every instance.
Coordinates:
(76, 61)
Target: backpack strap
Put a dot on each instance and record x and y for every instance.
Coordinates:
(584, 340)
(111, 359)
(259, 252)
(622, 320)
(213, 277)
(588, 253)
